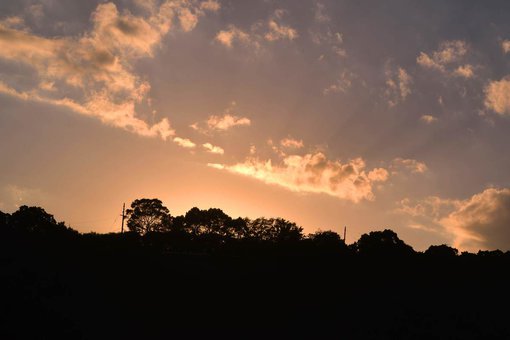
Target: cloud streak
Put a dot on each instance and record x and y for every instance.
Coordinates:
(269, 31)
(313, 173)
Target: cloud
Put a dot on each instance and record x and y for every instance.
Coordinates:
(313, 173)
(447, 59)
(449, 52)
(213, 148)
(342, 85)
(398, 85)
(465, 71)
(409, 164)
(96, 67)
(320, 14)
(505, 46)
(271, 30)
(279, 31)
(210, 5)
(291, 143)
(184, 142)
(431, 206)
(497, 96)
(226, 122)
(234, 35)
(481, 221)
(222, 122)
(323, 34)
(428, 119)
(13, 22)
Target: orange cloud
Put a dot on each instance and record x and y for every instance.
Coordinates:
(465, 71)
(222, 122)
(98, 63)
(233, 34)
(213, 148)
(272, 30)
(409, 164)
(313, 173)
(343, 83)
(184, 142)
(505, 46)
(497, 96)
(428, 119)
(292, 143)
(226, 122)
(398, 85)
(447, 59)
(478, 222)
(482, 220)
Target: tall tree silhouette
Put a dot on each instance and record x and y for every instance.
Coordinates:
(441, 251)
(207, 222)
(274, 229)
(148, 215)
(382, 243)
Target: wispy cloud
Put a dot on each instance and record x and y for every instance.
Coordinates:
(409, 164)
(271, 30)
(277, 30)
(213, 148)
(398, 85)
(292, 143)
(223, 122)
(448, 59)
(342, 84)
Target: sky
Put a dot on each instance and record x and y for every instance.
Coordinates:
(365, 114)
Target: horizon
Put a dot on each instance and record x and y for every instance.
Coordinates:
(368, 115)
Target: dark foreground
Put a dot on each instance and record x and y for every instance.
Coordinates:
(115, 293)
(56, 283)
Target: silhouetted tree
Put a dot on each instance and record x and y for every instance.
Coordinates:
(238, 228)
(490, 253)
(208, 222)
(178, 224)
(274, 229)
(35, 220)
(441, 251)
(382, 243)
(328, 241)
(148, 215)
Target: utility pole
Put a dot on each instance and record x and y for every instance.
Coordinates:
(123, 217)
(345, 233)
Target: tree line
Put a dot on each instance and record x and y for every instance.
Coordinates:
(205, 270)
(150, 224)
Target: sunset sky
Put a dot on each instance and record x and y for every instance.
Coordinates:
(365, 114)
